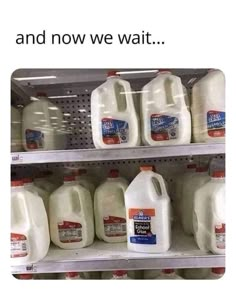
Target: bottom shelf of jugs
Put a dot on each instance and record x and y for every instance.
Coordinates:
(154, 274)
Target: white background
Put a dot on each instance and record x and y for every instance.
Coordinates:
(197, 34)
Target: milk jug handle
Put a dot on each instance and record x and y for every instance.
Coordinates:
(161, 181)
(27, 211)
(128, 94)
(176, 86)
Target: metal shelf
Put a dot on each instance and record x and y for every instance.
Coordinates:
(104, 257)
(86, 155)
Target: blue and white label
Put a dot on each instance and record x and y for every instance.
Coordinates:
(114, 131)
(34, 139)
(164, 127)
(216, 123)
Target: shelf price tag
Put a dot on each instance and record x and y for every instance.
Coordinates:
(16, 158)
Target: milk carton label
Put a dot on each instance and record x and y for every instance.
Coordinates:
(220, 236)
(34, 139)
(142, 219)
(70, 232)
(164, 127)
(19, 246)
(216, 123)
(114, 131)
(114, 226)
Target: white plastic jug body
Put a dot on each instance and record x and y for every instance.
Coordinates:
(151, 274)
(196, 273)
(16, 127)
(109, 210)
(42, 127)
(148, 214)
(29, 227)
(71, 216)
(209, 216)
(45, 184)
(187, 199)
(165, 118)
(208, 108)
(113, 116)
(87, 184)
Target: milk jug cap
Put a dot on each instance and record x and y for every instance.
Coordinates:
(119, 273)
(168, 271)
(26, 276)
(146, 168)
(69, 178)
(218, 174)
(114, 173)
(72, 274)
(220, 270)
(112, 73)
(17, 183)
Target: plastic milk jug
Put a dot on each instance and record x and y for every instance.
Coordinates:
(208, 108)
(165, 118)
(71, 215)
(42, 181)
(189, 188)
(179, 182)
(114, 119)
(42, 127)
(29, 226)
(148, 213)
(209, 214)
(167, 274)
(109, 209)
(16, 127)
(30, 186)
(216, 273)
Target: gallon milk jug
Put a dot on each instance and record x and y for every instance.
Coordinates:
(165, 118)
(189, 187)
(71, 215)
(209, 214)
(43, 126)
(148, 213)
(109, 209)
(120, 274)
(80, 177)
(168, 274)
(179, 182)
(29, 185)
(208, 108)
(114, 119)
(216, 273)
(29, 226)
(16, 127)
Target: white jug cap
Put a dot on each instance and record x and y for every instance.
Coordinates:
(17, 183)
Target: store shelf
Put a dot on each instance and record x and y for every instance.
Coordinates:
(103, 256)
(83, 155)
